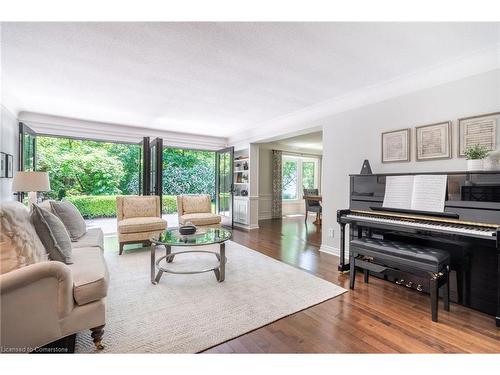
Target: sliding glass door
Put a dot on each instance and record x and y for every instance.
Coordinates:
(224, 167)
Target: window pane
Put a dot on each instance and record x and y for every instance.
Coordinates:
(289, 179)
(308, 175)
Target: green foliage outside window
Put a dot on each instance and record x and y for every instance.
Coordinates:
(289, 181)
(308, 174)
(90, 173)
(78, 167)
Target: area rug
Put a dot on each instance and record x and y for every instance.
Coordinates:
(191, 313)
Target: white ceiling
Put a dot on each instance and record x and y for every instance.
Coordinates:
(214, 78)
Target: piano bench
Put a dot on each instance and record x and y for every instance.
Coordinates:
(386, 257)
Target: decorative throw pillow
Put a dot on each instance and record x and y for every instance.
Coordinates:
(9, 259)
(192, 204)
(46, 205)
(53, 234)
(19, 243)
(71, 218)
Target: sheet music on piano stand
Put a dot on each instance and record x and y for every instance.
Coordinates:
(419, 192)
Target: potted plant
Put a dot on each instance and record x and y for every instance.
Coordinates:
(475, 155)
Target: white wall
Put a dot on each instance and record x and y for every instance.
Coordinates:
(9, 138)
(353, 136)
(266, 180)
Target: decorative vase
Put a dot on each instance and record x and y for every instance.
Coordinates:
(475, 165)
(492, 162)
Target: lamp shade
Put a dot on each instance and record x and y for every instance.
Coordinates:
(31, 181)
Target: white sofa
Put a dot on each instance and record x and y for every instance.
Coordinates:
(49, 300)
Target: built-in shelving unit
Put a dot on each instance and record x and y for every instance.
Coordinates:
(241, 173)
(244, 186)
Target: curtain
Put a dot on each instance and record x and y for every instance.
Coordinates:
(277, 184)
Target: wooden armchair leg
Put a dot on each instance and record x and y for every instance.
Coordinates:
(121, 248)
(97, 334)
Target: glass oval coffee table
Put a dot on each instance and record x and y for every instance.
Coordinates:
(202, 237)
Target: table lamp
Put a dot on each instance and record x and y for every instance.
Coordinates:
(31, 182)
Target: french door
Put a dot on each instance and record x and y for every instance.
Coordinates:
(224, 185)
(27, 148)
(144, 167)
(27, 152)
(152, 167)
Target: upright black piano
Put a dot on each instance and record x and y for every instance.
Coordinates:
(469, 229)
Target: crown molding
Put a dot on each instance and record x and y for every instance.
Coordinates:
(69, 127)
(304, 120)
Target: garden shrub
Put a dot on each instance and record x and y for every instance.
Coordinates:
(96, 206)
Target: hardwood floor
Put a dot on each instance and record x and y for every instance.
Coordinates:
(380, 317)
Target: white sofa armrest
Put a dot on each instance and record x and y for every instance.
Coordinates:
(60, 284)
(34, 300)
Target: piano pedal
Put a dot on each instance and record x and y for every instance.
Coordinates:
(400, 282)
(409, 285)
(420, 287)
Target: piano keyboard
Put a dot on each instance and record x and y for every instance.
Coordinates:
(442, 226)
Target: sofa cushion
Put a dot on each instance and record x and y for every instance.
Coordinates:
(196, 203)
(93, 238)
(200, 219)
(18, 237)
(90, 275)
(141, 224)
(140, 206)
(53, 234)
(71, 218)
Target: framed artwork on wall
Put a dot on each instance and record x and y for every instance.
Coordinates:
(3, 163)
(9, 166)
(481, 130)
(396, 146)
(433, 141)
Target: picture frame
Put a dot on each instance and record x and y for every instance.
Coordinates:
(9, 166)
(479, 129)
(433, 141)
(3, 164)
(396, 146)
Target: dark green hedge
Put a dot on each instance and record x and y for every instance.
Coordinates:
(94, 206)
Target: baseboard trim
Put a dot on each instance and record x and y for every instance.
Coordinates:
(265, 216)
(245, 226)
(332, 250)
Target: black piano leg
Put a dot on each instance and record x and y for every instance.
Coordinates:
(352, 272)
(342, 266)
(367, 275)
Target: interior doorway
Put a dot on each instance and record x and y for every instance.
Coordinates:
(299, 171)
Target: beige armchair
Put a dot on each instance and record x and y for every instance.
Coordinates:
(138, 219)
(196, 209)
